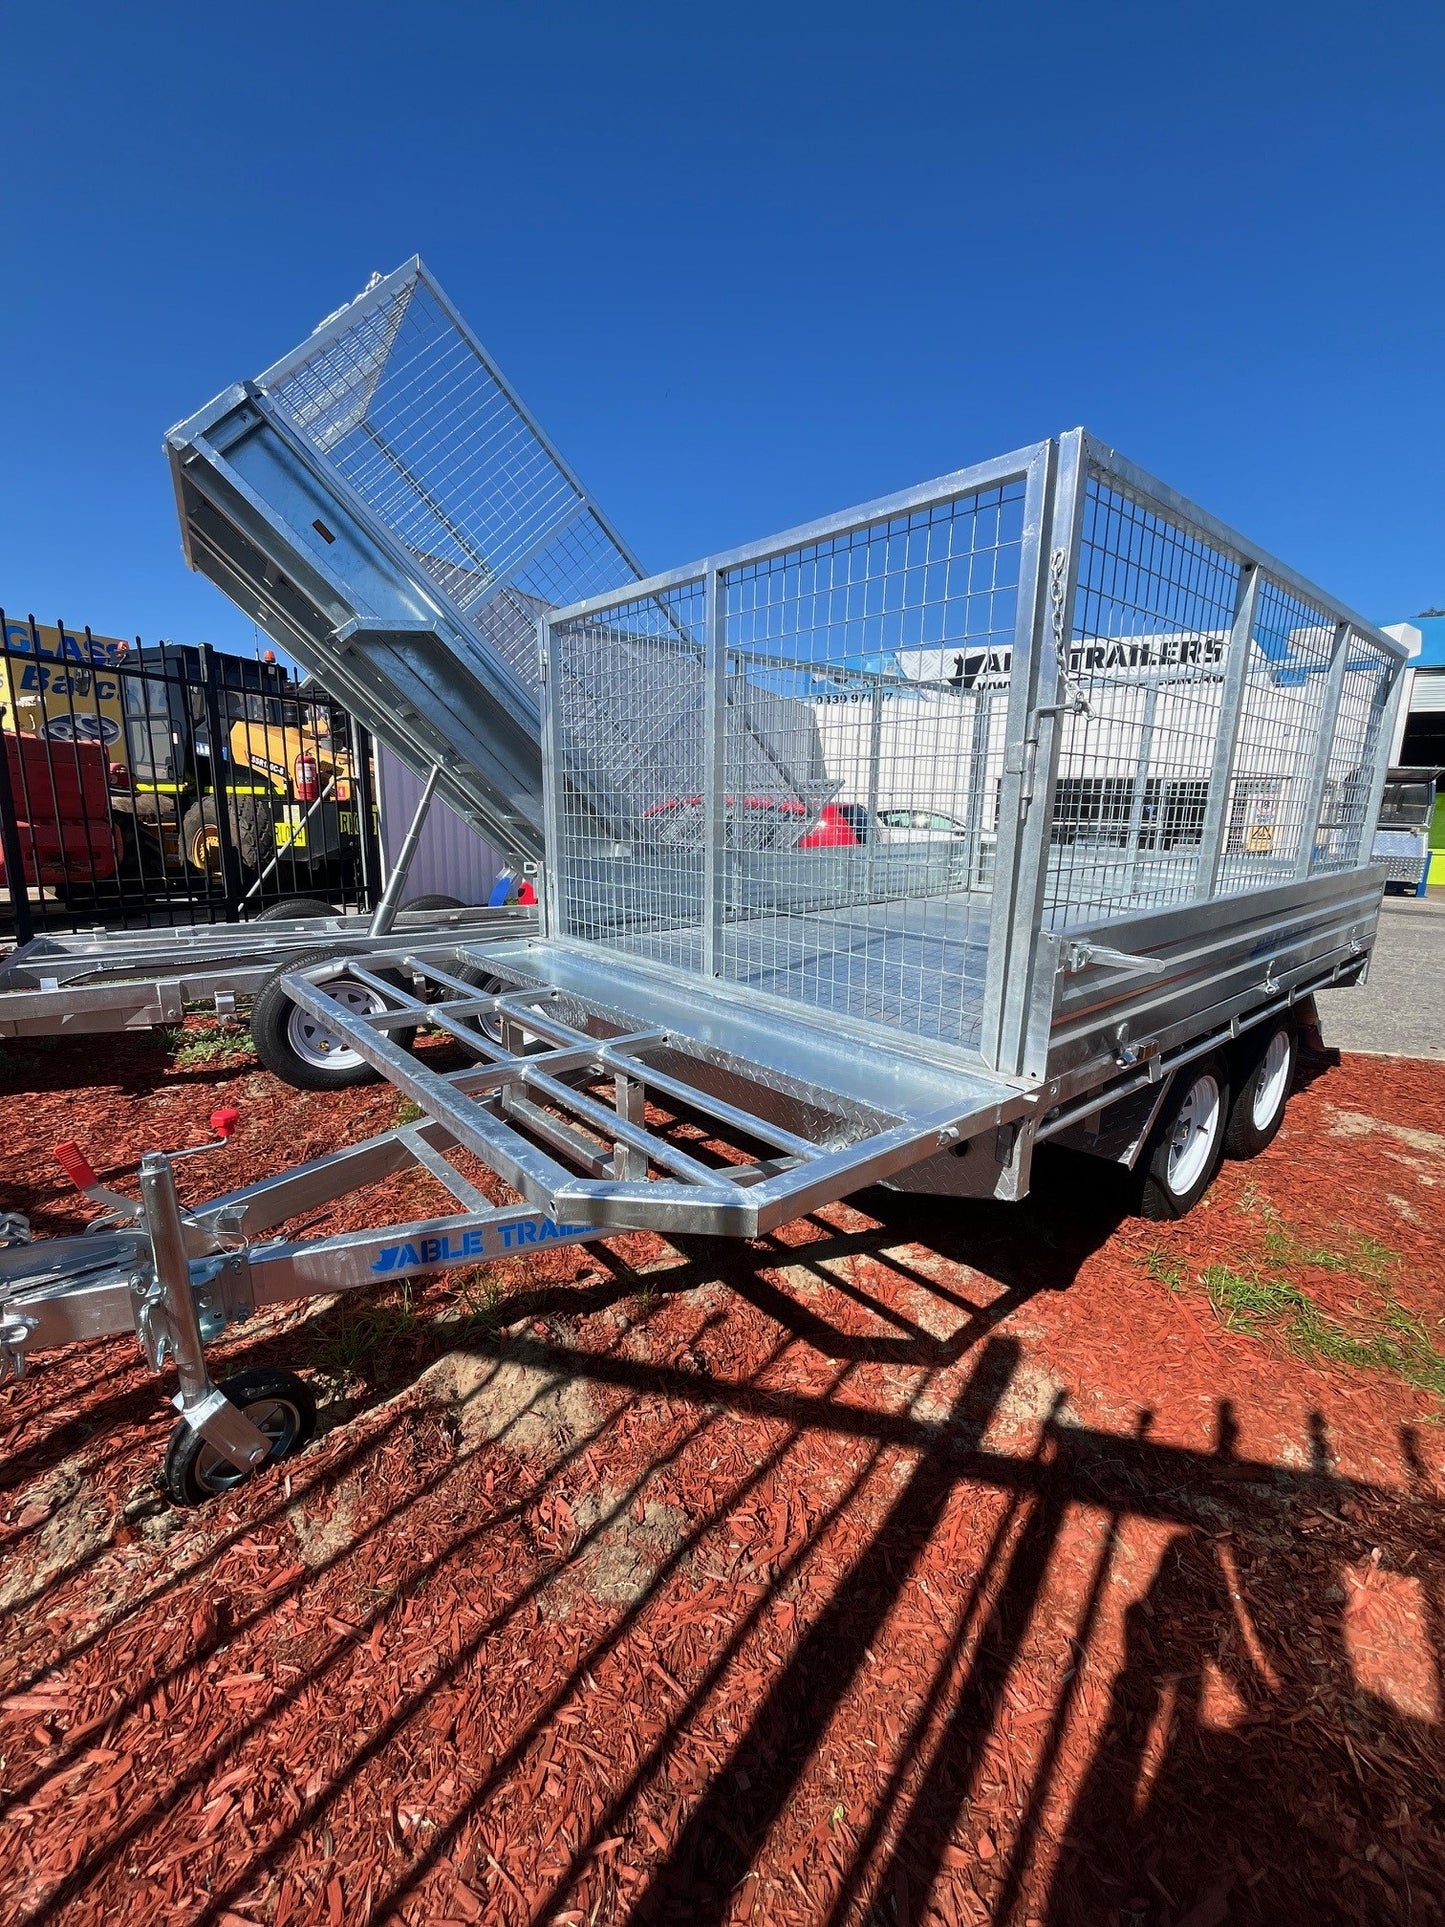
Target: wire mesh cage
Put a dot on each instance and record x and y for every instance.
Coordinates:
(786, 772)
(1153, 611)
(813, 767)
(407, 411)
(1207, 696)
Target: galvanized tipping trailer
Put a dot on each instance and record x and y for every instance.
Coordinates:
(390, 510)
(1161, 753)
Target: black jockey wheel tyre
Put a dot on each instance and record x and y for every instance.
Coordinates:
(1264, 1077)
(1187, 1143)
(300, 1051)
(277, 1401)
(294, 908)
(434, 903)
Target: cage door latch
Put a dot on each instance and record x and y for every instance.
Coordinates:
(1080, 954)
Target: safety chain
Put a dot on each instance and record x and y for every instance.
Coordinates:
(1058, 583)
(1058, 568)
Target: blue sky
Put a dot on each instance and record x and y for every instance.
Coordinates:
(747, 263)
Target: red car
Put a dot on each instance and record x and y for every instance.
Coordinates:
(832, 831)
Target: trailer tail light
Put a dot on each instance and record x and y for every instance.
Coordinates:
(308, 778)
(118, 776)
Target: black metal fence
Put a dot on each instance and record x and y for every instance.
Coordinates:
(150, 784)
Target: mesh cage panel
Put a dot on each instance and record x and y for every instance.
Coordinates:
(1281, 716)
(1153, 613)
(1158, 718)
(842, 854)
(629, 777)
(1341, 839)
(405, 409)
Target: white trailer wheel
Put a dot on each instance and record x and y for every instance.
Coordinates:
(1196, 1129)
(1264, 1080)
(1188, 1142)
(1272, 1082)
(303, 1051)
(322, 1049)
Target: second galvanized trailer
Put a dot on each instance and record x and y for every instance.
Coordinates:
(1117, 966)
(389, 510)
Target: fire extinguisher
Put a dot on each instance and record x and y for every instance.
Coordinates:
(308, 778)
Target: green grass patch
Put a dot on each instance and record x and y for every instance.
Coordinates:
(1347, 1251)
(1390, 1340)
(367, 1331)
(485, 1300)
(207, 1046)
(1262, 1299)
(406, 1112)
(1164, 1270)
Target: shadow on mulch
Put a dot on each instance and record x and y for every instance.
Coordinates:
(134, 1064)
(1319, 1800)
(1223, 1814)
(1171, 1816)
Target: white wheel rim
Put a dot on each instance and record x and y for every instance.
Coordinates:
(321, 1048)
(1272, 1084)
(1196, 1127)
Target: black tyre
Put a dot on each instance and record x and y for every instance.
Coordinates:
(277, 1401)
(434, 903)
(302, 1052)
(253, 830)
(1187, 1143)
(294, 908)
(488, 985)
(253, 833)
(1264, 1075)
(128, 853)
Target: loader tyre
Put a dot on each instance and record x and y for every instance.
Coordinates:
(1187, 1143)
(434, 903)
(253, 833)
(298, 1049)
(1264, 1073)
(253, 830)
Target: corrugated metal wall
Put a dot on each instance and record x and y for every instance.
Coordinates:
(452, 860)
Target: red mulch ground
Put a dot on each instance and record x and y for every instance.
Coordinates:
(923, 1562)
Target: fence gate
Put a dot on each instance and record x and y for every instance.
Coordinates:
(154, 784)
